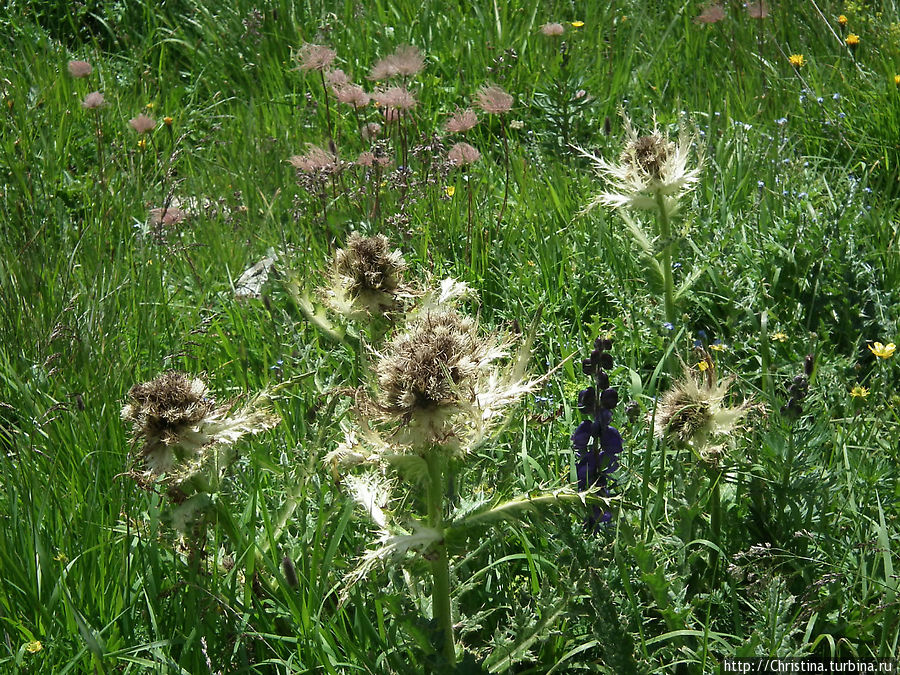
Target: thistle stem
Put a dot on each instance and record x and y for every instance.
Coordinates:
(440, 564)
(665, 234)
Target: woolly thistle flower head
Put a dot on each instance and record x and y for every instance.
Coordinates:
(695, 413)
(652, 172)
(367, 277)
(174, 419)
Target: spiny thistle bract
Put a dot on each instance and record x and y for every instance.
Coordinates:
(652, 172)
(181, 428)
(695, 413)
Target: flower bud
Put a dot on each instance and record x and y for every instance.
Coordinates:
(609, 398)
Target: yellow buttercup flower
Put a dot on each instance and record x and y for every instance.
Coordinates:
(859, 391)
(897, 80)
(883, 351)
(142, 144)
(842, 20)
(34, 647)
(168, 121)
(450, 190)
(779, 337)
(703, 366)
(797, 60)
(852, 41)
(577, 24)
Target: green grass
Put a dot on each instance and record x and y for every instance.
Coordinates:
(795, 219)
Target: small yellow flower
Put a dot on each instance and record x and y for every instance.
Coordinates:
(852, 41)
(168, 121)
(718, 347)
(34, 647)
(703, 366)
(150, 105)
(142, 144)
(450, 190)
(577, 24)
(842, 20)
(779, 337)
(859, 391)
(797, 60)
(897, 80)
(61, 558)
(883, 351)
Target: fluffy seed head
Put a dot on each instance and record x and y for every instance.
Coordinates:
(337, 78)
(494, 100)
(142, 123)
(461, 121)
(710, 14)
(315, 160)
(93, 100)
(80, 68)
(552, 29)
(406, 61)
(315, 57)
(395, 98)
(462, 154)
(352, 94)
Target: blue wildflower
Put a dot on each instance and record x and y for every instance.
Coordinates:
(596, 442)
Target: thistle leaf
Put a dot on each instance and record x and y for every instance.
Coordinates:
(517, 508)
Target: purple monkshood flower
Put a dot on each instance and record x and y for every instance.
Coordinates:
(597, 444)
(596, 461)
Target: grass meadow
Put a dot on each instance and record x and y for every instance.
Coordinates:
(753, 508)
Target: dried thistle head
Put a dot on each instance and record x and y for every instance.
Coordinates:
(367, 277)
(315, 57)
(165, 413)
(175, 419)
(80, 68)
(493, 100)
(461, 121)
(695, 413)
(651, 169)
